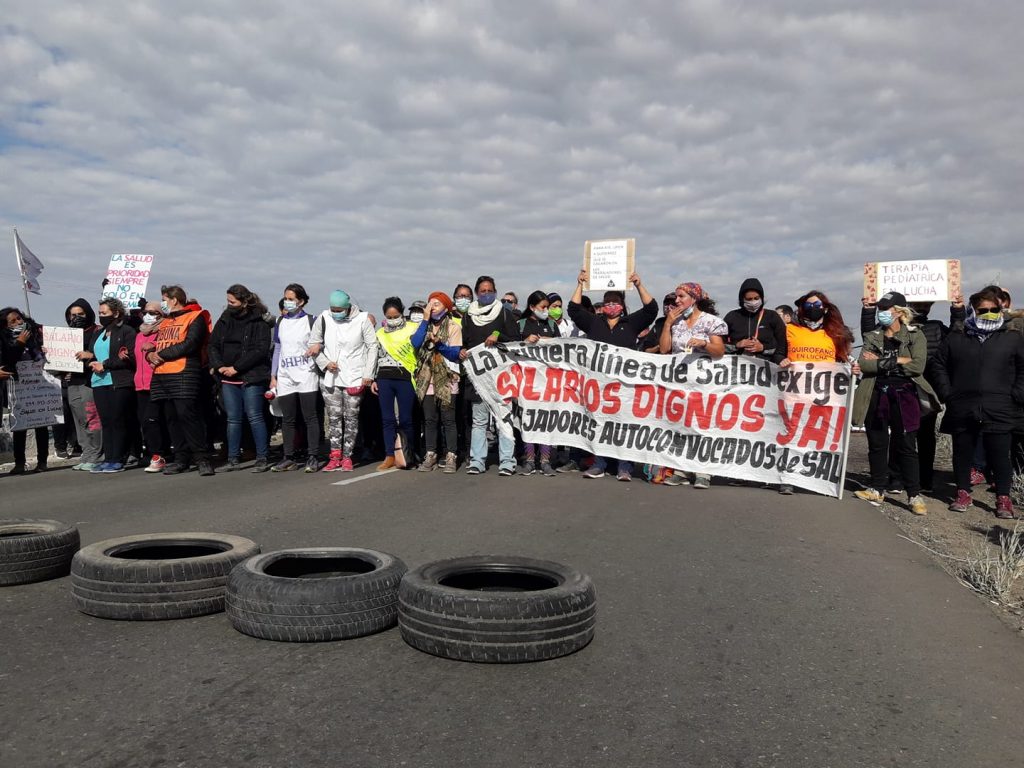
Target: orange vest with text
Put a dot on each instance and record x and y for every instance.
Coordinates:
(173, 331)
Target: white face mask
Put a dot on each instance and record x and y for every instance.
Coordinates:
(290, 305)
(540, 314)
(752, 306)
(394, 323)
(416, 317)
(149, 318)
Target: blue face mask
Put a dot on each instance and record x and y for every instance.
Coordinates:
(290, 305)
(486, 299)
(340, 316)
(885, 318)
(688, 311)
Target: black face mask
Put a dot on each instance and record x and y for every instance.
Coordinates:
(236, 311)
(107, 320)
(814, 314)
(77, 321)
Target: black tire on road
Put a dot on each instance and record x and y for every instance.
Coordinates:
(156, 576)
(497, 609)
(312, 595)
(35, 550)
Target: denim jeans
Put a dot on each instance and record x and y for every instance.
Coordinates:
(624, 466)
(478, 441)
(240, 401)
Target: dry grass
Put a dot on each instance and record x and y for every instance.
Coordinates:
(994, 572)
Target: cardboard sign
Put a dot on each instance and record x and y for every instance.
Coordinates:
(925, 280)
(608, 264)
(127, 278)
(34, 399)
(61, 345)
(736, 417)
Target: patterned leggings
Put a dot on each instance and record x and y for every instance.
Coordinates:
(342, 418)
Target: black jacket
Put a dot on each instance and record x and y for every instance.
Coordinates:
(474, 335)
(122, 372)
(244, 343)
(530, 326)
(624, 333)
(87, 331)
(13, 352)
(765, 325)
(981, 384)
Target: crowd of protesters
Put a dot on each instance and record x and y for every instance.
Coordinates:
(162, 383)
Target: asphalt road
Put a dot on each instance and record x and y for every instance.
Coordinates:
(736, 628)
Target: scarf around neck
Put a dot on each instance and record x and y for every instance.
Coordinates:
(431, 367)
(982, 329)
(484, 315)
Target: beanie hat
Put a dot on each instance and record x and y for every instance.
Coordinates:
(442, 297)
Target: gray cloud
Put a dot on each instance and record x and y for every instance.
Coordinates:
(401, 147)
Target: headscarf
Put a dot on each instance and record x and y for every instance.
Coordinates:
(695, 290)
(982, 329)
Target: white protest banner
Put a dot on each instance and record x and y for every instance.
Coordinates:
(608, 264)
(61, 345)
(924, 280)
(34, 398)
(127, 277)
(737, 417)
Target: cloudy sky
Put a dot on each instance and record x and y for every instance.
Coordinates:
(400, 147)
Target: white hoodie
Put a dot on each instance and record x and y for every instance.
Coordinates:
(351, 343)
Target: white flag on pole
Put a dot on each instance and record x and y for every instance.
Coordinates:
(31, 266)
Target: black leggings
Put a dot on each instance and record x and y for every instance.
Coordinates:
(188, 432)
(42, 445)
(154, 425)
(879, 434)
(115, 406)
(290, 406)
(997, 454)
(433, 412)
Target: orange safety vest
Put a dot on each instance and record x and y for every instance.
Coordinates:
(173, 331)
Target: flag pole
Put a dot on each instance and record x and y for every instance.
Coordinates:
(21, 271)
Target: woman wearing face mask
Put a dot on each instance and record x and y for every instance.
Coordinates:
(396, 363)
(86, 420)
(489, 323)
(416, 312)
(112, 361)
(819, 334)
(753, 329)
(437, 344)
(178, 357)
(691, 326)
(615, 328)
(240, 361)
(295, 378)
(980, 377)
(888, 398)
(21, 339)
(535, 325)
(463, 297)
(150, 413)
(347, 354)
(556, 312)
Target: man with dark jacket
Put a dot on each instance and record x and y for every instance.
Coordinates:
(753, 329)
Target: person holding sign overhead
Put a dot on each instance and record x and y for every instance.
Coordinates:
(613, 327)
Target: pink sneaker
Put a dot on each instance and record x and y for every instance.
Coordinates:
(156, 464)
(1004, 508)
(335, 464)
(962, 502)
(977, 478)
(346, 465)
